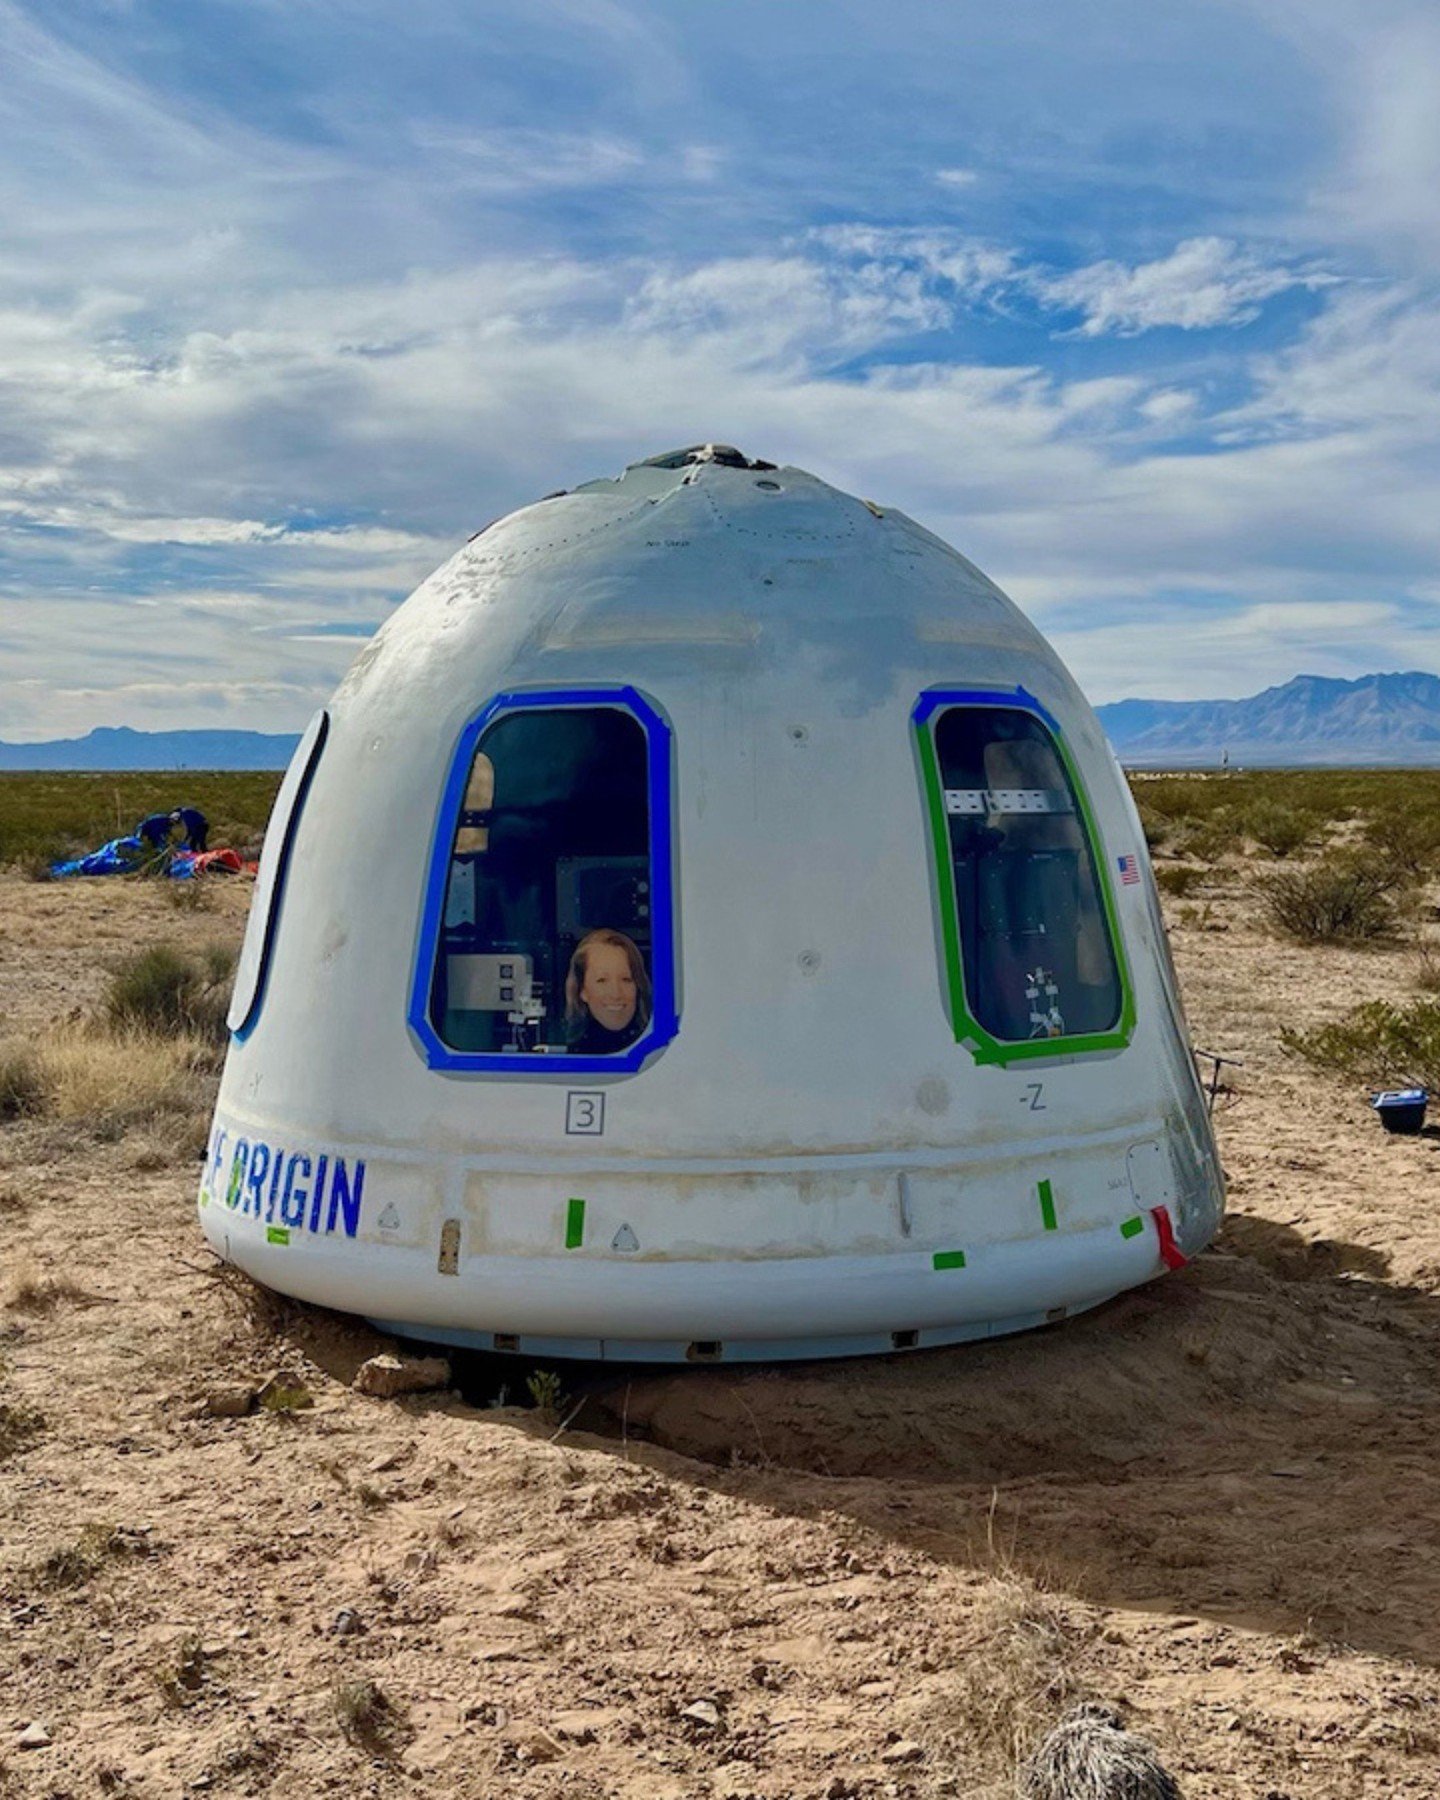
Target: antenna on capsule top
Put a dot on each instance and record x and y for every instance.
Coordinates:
(725, 455)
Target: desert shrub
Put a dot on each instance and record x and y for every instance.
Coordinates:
(22, 1086)
(1177, 878)
(1156, 826)
(1343, 897)
(20, 1426)
(1407, 837)
(1207, 838)
(1376, 1043)
(166, 990)
(1280, 829)
(73, 1564)
(368, 1716)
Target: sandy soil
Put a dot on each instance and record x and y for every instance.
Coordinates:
(1212, 1503)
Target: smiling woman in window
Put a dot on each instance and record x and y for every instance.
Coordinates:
(607, 994)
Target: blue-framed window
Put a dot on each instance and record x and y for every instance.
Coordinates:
(547, 940)
(254, 966)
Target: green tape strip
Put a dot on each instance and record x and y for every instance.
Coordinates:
(277, 1234)
(1047, 1207)
(948, 1259)
(575, 1225)
(1131, 1227)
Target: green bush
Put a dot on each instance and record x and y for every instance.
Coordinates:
(1406, 837)
(1342, 898)
(1377, 1043)
(1280, 829)
(1206, 838)
(1178, 878)
(1156, 827)
(164, 990)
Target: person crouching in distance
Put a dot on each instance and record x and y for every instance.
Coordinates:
(607, 994)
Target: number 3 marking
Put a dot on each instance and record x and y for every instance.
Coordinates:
(585, 1115)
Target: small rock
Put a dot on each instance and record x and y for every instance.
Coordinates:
(582, 1726)
(34, 1737)
(704, 1713)
(285, 1392)
(540, 1747)
(228, 1402)
(903, 1750)
(487, 1712)
(347, 1623)
(383, 1377)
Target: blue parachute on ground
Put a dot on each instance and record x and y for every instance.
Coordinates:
(121, 856)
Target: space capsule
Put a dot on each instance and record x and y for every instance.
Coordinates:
(707, 923)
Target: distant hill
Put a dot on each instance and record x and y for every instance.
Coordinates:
(1391, 719)
(118, 747)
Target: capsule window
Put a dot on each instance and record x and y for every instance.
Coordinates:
(549, 926)
(1027, 919)
(255, 953)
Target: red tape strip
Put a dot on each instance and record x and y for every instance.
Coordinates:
(1171, 1254)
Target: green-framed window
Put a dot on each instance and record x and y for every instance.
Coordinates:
(1034, 961)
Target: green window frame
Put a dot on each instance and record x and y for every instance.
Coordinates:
(983, 1044)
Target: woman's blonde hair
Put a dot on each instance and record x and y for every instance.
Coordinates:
(576, 1011)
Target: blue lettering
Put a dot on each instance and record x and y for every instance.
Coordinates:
(343, 1198)
(255, 1181)
(292, 1201)
(217, 1156)
(237, 1173)
(319, 1193)
(274, 1185)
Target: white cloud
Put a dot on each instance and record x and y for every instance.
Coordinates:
(956, 178)
(520, 161)
(1203, 283)
(1168, 406)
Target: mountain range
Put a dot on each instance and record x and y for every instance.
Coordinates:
(1312, 719)
(118, 747)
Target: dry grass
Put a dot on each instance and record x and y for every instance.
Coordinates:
(20, 1426)
(1020, 1673)
(111, 1081)
(72, 1565)
(21, 1092)
(31, 1290)
(368, 1717)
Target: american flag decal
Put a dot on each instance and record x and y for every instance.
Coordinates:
(1129, 870)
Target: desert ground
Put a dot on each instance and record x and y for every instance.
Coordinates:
(1212, 1503)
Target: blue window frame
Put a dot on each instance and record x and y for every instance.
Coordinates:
(549, 900)
(253, 969)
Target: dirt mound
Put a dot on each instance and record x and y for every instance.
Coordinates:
(1085, 1398)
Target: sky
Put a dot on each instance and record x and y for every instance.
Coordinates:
(1136, 302)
